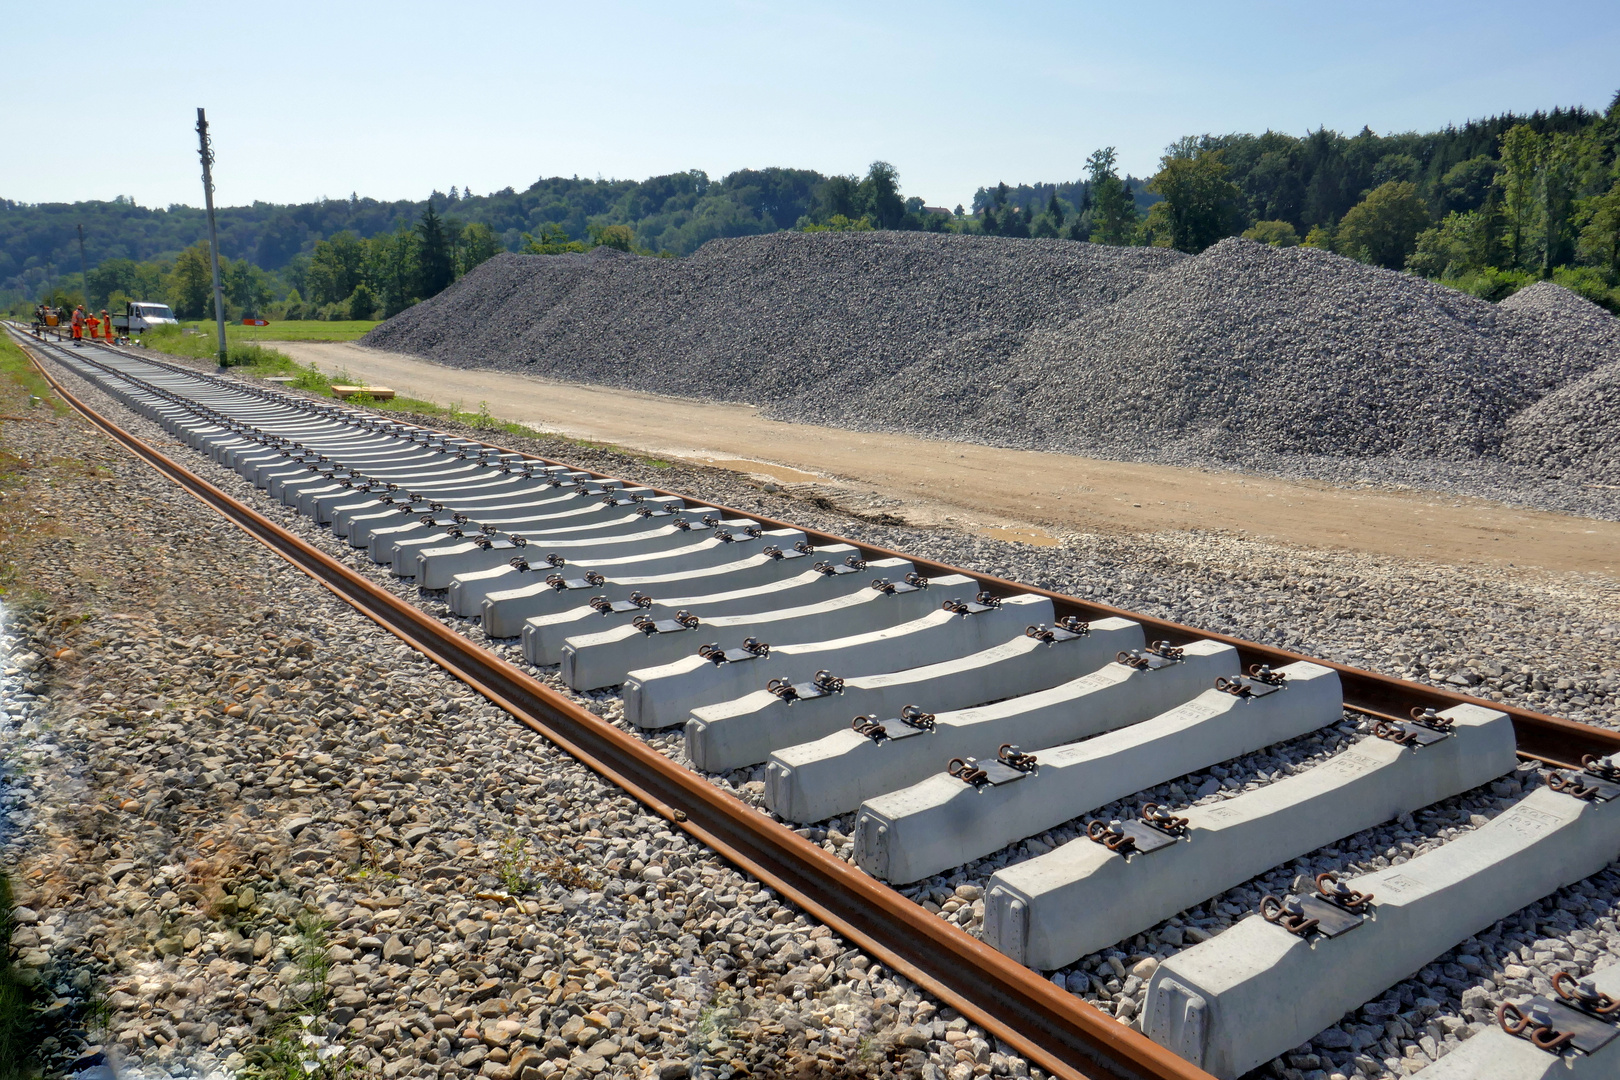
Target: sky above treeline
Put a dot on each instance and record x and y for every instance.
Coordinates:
(393, 101)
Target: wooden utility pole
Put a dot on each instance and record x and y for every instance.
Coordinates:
(207, 153)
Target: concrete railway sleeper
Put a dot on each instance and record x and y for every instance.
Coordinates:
(835, 774)
(968, 812)
(1255, 991)
(604, 658)
(893, 706)
(505, 608)
(544, 635)
(1571, 1034)
(379, 483)
(1125, 888)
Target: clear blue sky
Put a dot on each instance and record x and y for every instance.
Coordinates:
(392, 101)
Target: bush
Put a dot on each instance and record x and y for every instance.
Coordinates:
(1275, 233)
(362, 304)
(1592, 283)
(1490, 283)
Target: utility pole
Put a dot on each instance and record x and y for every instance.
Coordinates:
(84, 275)
(207, 154)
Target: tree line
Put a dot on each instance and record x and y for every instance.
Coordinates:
(1487, 207)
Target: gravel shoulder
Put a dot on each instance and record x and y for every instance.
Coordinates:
(969, 486)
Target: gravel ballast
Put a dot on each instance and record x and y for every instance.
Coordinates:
(1244, 355)
(1503, 633)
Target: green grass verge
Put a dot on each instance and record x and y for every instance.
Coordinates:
(14, 367)
(296, 330)
(19, 1011)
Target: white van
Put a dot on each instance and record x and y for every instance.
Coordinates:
(140, 317)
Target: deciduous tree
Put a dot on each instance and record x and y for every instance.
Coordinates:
(1201, 204)
(1383, 228)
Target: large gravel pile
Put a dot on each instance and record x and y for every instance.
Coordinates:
(793, 321)
(1578, 425)
(1238, 354)
(1248, 349)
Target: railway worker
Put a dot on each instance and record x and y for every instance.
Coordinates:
(92, 326)
(78, 326)
(106, 325)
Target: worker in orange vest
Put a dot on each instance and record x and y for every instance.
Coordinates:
(78, 326)
(106, 325)
(92, 326)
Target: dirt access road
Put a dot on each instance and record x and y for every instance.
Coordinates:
(1009, 494)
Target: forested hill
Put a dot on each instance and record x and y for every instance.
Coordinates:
(1486, 206)
(676, 213)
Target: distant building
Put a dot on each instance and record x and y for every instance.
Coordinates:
(936, 210)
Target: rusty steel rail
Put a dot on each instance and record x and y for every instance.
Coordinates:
(1054, 1030)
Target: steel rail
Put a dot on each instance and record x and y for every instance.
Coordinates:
(1054, 1030)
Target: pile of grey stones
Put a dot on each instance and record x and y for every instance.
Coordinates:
(1237, 356)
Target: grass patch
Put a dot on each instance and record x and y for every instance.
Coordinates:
(291, 1051)
(16, 368)
(295, 330)
(19, 1005)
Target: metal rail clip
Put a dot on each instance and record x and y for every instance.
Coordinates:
(1334, 910)
(911, 721)
(605, 606)
(591, 580)
(1065, 629)
(1425, 727)
(1584, 995)
(750, 532)
(1259, 682)
(653, 511)
(824, 683)
(1009, 765)
(681, 620)
(798, 551)
(911, 583)
(982, 602)
(1553, 1025)
(1158, 654)
(1156, 828)
(1582, 785)
(852, 564)
(751, 649)
(500, 543)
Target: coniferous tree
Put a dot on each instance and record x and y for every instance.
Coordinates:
(436, 267)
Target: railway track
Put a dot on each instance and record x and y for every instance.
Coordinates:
(763, 640)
